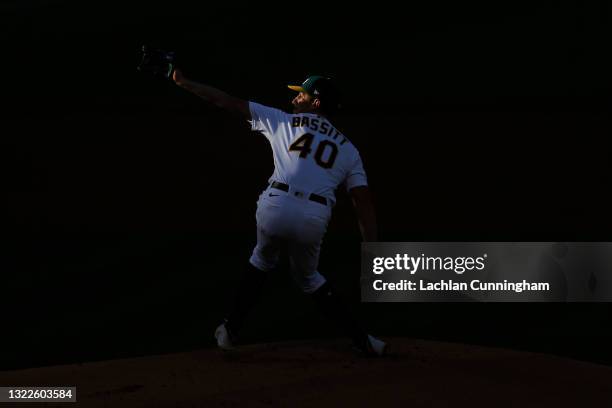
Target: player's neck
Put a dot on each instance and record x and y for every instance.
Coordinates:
(316, 112)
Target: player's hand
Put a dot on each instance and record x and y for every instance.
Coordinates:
(177, 76)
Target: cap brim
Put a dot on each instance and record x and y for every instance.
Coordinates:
(296, 88)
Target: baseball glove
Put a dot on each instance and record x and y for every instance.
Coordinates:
(158, 63)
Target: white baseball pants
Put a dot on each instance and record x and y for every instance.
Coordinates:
(287, 220)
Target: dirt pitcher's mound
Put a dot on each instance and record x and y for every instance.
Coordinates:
(417, 373)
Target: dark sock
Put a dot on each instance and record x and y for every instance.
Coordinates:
(247, 294)
(331, 306)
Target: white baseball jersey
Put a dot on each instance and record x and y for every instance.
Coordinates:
(309, 153)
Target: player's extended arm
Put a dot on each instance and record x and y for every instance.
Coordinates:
(213, 95)
(365, 212)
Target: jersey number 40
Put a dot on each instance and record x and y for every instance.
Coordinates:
(303, 144)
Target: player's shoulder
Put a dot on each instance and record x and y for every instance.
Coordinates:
(263, 109)
(348, 145)
(340, 137)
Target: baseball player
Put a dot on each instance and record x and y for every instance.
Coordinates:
(311, 160)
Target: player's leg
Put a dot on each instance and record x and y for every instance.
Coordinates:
(264, 259)
(304, 252)
(328, 302)
(304, 246)
(246, 296)
(304, 259)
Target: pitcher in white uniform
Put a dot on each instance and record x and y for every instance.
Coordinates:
(311, 160)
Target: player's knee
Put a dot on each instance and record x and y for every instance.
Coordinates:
(262, 263)
(312, 285)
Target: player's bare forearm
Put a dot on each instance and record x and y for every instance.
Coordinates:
(366, 215)
(213, 95)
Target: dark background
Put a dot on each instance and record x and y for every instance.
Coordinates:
(130, 203)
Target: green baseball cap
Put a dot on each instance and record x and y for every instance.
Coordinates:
(318, 86)
(309, 86)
